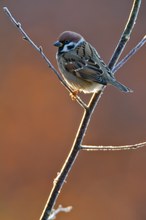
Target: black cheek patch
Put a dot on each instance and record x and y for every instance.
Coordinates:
(70, 47)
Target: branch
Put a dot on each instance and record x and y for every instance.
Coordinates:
(61, 177)
(129, 55)
(112, 148)
(40, 50)
(88, 110)
(126, 34)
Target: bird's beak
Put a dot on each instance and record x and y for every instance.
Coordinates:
(58, 44)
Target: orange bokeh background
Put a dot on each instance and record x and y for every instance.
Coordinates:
(38, 120)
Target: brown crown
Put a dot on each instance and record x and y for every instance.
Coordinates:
(69, 36)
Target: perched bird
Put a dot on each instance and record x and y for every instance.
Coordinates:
(81, 65)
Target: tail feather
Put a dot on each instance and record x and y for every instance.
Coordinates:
(120, 86)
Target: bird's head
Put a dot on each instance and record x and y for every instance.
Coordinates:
(68, 41)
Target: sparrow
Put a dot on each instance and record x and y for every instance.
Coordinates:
(81, 65)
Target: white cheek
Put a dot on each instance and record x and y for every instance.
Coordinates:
(65, 49)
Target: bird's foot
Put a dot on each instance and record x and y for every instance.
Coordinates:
(74, 94)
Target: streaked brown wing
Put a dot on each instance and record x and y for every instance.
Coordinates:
(86, 69)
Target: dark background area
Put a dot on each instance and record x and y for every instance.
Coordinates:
(38, 120)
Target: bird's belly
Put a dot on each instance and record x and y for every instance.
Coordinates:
(77, 83)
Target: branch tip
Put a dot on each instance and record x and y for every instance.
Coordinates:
(6, 9)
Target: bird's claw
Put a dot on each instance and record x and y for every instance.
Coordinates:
(74, 94)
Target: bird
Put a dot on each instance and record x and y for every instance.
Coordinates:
(81, 66)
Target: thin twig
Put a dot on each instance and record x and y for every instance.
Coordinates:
(40, 50)
(58, 210)
(112, 148)
(129, 55)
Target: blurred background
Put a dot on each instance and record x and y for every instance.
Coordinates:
(38, 119)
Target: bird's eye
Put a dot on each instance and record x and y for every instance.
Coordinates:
(66, 42)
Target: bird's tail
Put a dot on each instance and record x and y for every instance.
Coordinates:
(120, 86)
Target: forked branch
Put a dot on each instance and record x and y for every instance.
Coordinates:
(128, 56)
(125, 37)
